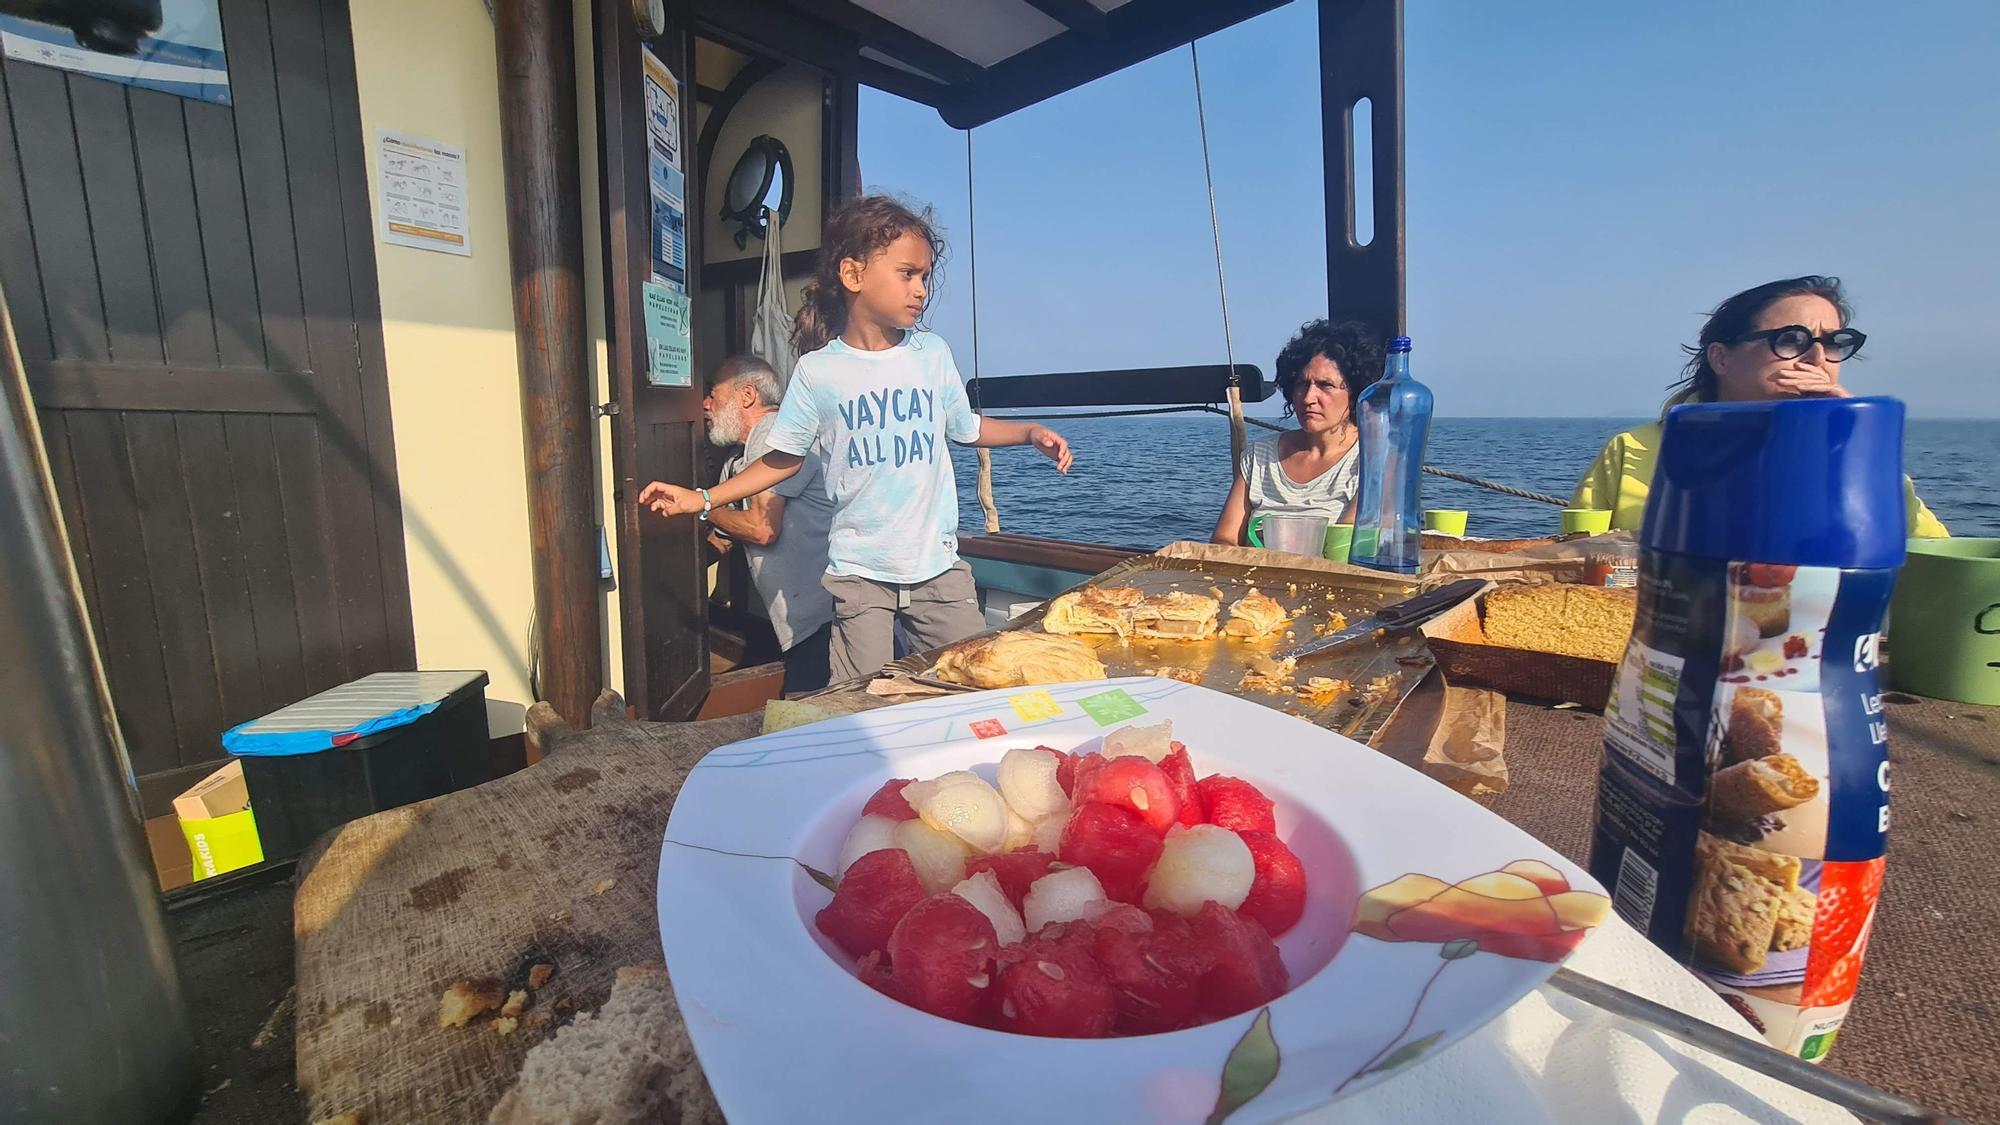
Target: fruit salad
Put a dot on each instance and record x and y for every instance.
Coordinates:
(1086, 895)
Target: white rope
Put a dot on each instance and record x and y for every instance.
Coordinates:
(1238, 435)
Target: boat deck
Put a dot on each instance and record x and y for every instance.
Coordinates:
(1923, 1023)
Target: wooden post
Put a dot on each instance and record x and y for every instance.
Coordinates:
(538, 150)
(986, 504)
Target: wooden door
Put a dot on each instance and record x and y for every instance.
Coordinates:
(193, 287)
(657, 433)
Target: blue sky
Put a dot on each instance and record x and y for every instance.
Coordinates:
(1584, 181)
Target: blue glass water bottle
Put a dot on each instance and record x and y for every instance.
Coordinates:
(1394, 420)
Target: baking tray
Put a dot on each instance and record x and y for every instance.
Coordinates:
(1222, 661)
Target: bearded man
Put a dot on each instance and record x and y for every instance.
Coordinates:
(783, 530)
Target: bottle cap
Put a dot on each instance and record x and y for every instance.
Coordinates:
(1399, 344)
(1813, 482)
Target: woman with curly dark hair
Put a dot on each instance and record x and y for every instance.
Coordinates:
(1312, 470)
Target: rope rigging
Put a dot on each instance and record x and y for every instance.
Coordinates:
(1238, 421)
(1238, 437)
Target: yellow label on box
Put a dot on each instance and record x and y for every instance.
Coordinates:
(1034, 706)
(223, 843)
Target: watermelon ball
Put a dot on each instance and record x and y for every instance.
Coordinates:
(1055, 988)
(1123, 916)
(1236, 804)
(1278, 893)
(1198, 865)
(1116, 844)
(888, 801)
(874, 895)
(1247, 971)
(941, 958)
(1017, 871)
(1065, 769)
(1155, 978)
(1180, 778)
(1132, 783)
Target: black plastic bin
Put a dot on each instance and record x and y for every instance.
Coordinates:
(296, 797)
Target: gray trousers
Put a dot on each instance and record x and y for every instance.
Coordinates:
(866, 612)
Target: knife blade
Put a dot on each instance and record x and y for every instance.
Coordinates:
(1401, 615)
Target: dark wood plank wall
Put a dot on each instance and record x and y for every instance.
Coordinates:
(193, 287)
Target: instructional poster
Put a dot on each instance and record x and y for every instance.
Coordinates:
(665, 175)
(174, 46)
(669, 354)
(423, 201)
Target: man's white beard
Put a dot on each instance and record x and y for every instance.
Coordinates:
(727, 426)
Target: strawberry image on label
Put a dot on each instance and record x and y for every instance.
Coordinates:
(1847, 894)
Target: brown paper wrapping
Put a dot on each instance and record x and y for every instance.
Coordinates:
(1456, 735)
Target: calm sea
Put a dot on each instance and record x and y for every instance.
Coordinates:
(1142, 482)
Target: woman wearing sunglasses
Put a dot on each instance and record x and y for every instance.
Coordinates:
(1784, 339)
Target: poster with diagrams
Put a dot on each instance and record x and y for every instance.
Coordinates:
(423, 194)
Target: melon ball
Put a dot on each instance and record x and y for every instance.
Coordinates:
(870, 834)
(1020, 832)
(1149, 742)
(983, 891)
(1028, 782)
(939, 857)
(964, 805)
(1048, 833)
(1063, 896)
(1205, 863)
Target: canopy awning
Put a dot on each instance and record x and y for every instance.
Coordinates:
(974, 60)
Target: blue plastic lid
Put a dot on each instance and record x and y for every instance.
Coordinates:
(1812, 482)
(1399, 344)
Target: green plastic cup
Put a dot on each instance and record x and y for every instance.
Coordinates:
(1944, 624)
(1596, 521)
(1445, 521)
(1339, 541)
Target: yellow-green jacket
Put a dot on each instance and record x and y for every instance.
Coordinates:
(1621, 476)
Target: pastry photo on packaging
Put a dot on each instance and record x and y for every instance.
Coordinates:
(1742, 801)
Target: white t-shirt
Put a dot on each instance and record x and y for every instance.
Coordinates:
(1270, 491)
(883, 419)
(787, 573)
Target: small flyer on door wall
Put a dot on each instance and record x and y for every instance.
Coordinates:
(669, 356)
(423, 201)
(665, 178)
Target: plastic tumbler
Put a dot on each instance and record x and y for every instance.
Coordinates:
(1596, 521)
(1445, 521)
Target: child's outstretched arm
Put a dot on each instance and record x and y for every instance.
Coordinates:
(768, 470)
(994, 432)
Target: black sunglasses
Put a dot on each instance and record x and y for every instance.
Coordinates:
(1795, 340)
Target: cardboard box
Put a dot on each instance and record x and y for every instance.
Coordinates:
(1458, 643)
(217, 822)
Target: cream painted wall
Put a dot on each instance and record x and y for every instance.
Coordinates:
(448, 329)
(600, 349)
